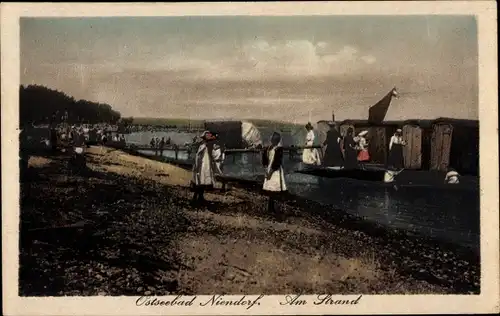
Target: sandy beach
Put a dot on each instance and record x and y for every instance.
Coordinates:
(125, 227)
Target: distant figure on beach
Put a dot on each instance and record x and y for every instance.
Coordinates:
(310, 156)
(162, 145)
(221, 149)
(452, 177)
(157, 145)
(350, 155)
(53, 139)
(333, 153)
(104, 138)
(79, 145)
(272, 160)
(292, 152)
(152, 143)
(396, 144)
(205, 166)
(363, 154)
(123, 142)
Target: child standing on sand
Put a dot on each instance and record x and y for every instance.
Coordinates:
(206, 166)
(272, 160)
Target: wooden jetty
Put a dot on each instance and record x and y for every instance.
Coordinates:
(287, 149)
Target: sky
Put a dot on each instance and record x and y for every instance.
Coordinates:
(290, 68)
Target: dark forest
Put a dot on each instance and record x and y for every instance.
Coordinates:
(42, 105)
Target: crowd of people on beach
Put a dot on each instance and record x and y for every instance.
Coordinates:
(72, 139)
(158, 145)
(348, 151)
(351, 152)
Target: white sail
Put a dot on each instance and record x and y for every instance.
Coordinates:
(250, 135)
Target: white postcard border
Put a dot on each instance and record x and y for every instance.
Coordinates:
(487, 301)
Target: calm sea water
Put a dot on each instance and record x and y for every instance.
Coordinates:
(451, 216)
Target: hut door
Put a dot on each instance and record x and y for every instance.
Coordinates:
(441, 146)
(412, 152)
(378, 144)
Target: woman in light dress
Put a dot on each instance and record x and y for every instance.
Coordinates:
(396, 144)
(310, 156)
(272, 160)
(206, 166)
(362, 144)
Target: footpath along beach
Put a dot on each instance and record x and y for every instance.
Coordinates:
(125, 227)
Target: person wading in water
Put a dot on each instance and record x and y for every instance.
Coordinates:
(396, 144)
(274, 182)
(206, 167)
(162, 145)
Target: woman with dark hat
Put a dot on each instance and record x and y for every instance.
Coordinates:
(333, 153)
(396, 144)
(350, 152)
(272, 160)
(206, 166)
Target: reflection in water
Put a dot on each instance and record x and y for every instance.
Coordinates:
(449, 215)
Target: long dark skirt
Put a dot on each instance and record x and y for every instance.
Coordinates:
(333, 156)
(351, 159)
(396, 159)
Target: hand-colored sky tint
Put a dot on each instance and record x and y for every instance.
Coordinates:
(288, 68)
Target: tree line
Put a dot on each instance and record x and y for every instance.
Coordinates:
(42, 105)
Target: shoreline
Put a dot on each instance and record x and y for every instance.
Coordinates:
(353, 221)
(234, 228)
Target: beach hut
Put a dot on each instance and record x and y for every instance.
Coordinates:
(230, 132)
(412, 152)
(321, 130)
(464, 152)
(379, 136)
(442, 132)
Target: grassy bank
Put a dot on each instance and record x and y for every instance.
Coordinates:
(125, 226)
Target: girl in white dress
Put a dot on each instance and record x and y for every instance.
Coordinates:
(272, 160)
(310, 156)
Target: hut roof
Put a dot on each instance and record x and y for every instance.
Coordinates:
(422, 123)
(367, 123)
(443, 120)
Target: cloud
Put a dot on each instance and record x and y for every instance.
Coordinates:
(369, 59)
(260, 58)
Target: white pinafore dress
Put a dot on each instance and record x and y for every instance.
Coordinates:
(276, 183)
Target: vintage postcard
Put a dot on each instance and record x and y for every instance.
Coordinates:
(250, 158)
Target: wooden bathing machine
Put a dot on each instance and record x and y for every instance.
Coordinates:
(229, 132)
(442, 143)
(431, 144)
(378, 136)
